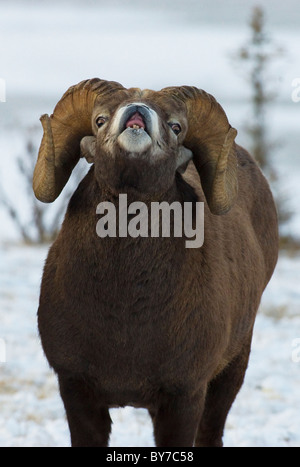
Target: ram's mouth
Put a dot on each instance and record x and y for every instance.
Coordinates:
(135, 129)
(136, 122)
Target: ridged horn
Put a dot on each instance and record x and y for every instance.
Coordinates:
(60, 147)
(211, 139)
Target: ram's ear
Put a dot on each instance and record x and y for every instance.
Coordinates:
(88, 148)
(183, 159)
(211, 139)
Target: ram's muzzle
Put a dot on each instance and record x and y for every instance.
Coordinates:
(136, 126)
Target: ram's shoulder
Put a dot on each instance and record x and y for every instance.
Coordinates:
(245, 160)
(251, 180)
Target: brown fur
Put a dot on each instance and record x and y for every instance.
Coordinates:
(149, 323)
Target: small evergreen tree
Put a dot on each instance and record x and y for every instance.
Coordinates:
(257, 56)
(42, 221)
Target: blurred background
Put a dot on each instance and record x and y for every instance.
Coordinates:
(245, 53)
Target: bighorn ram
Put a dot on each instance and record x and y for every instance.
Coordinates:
(143, 320)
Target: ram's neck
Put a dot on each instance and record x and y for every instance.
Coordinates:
(110, 217)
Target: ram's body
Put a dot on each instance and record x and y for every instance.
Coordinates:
(150, 323)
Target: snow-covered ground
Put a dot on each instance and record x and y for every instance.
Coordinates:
(47, 46)
(265, 413)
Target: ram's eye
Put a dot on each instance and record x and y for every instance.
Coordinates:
(176, 128)
(100, 121)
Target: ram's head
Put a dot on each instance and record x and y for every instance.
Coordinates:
(138, 139)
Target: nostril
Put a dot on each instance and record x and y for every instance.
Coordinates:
(137, 105)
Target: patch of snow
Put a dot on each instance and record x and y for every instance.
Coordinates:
(265, 412)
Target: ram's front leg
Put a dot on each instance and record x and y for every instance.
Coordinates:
(88, 419)
(176, 420)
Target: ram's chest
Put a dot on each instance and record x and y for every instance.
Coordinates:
(124, 277)
(123, 297)
(120, 329)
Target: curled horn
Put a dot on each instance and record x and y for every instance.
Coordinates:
(211, 139)
(60, 147)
